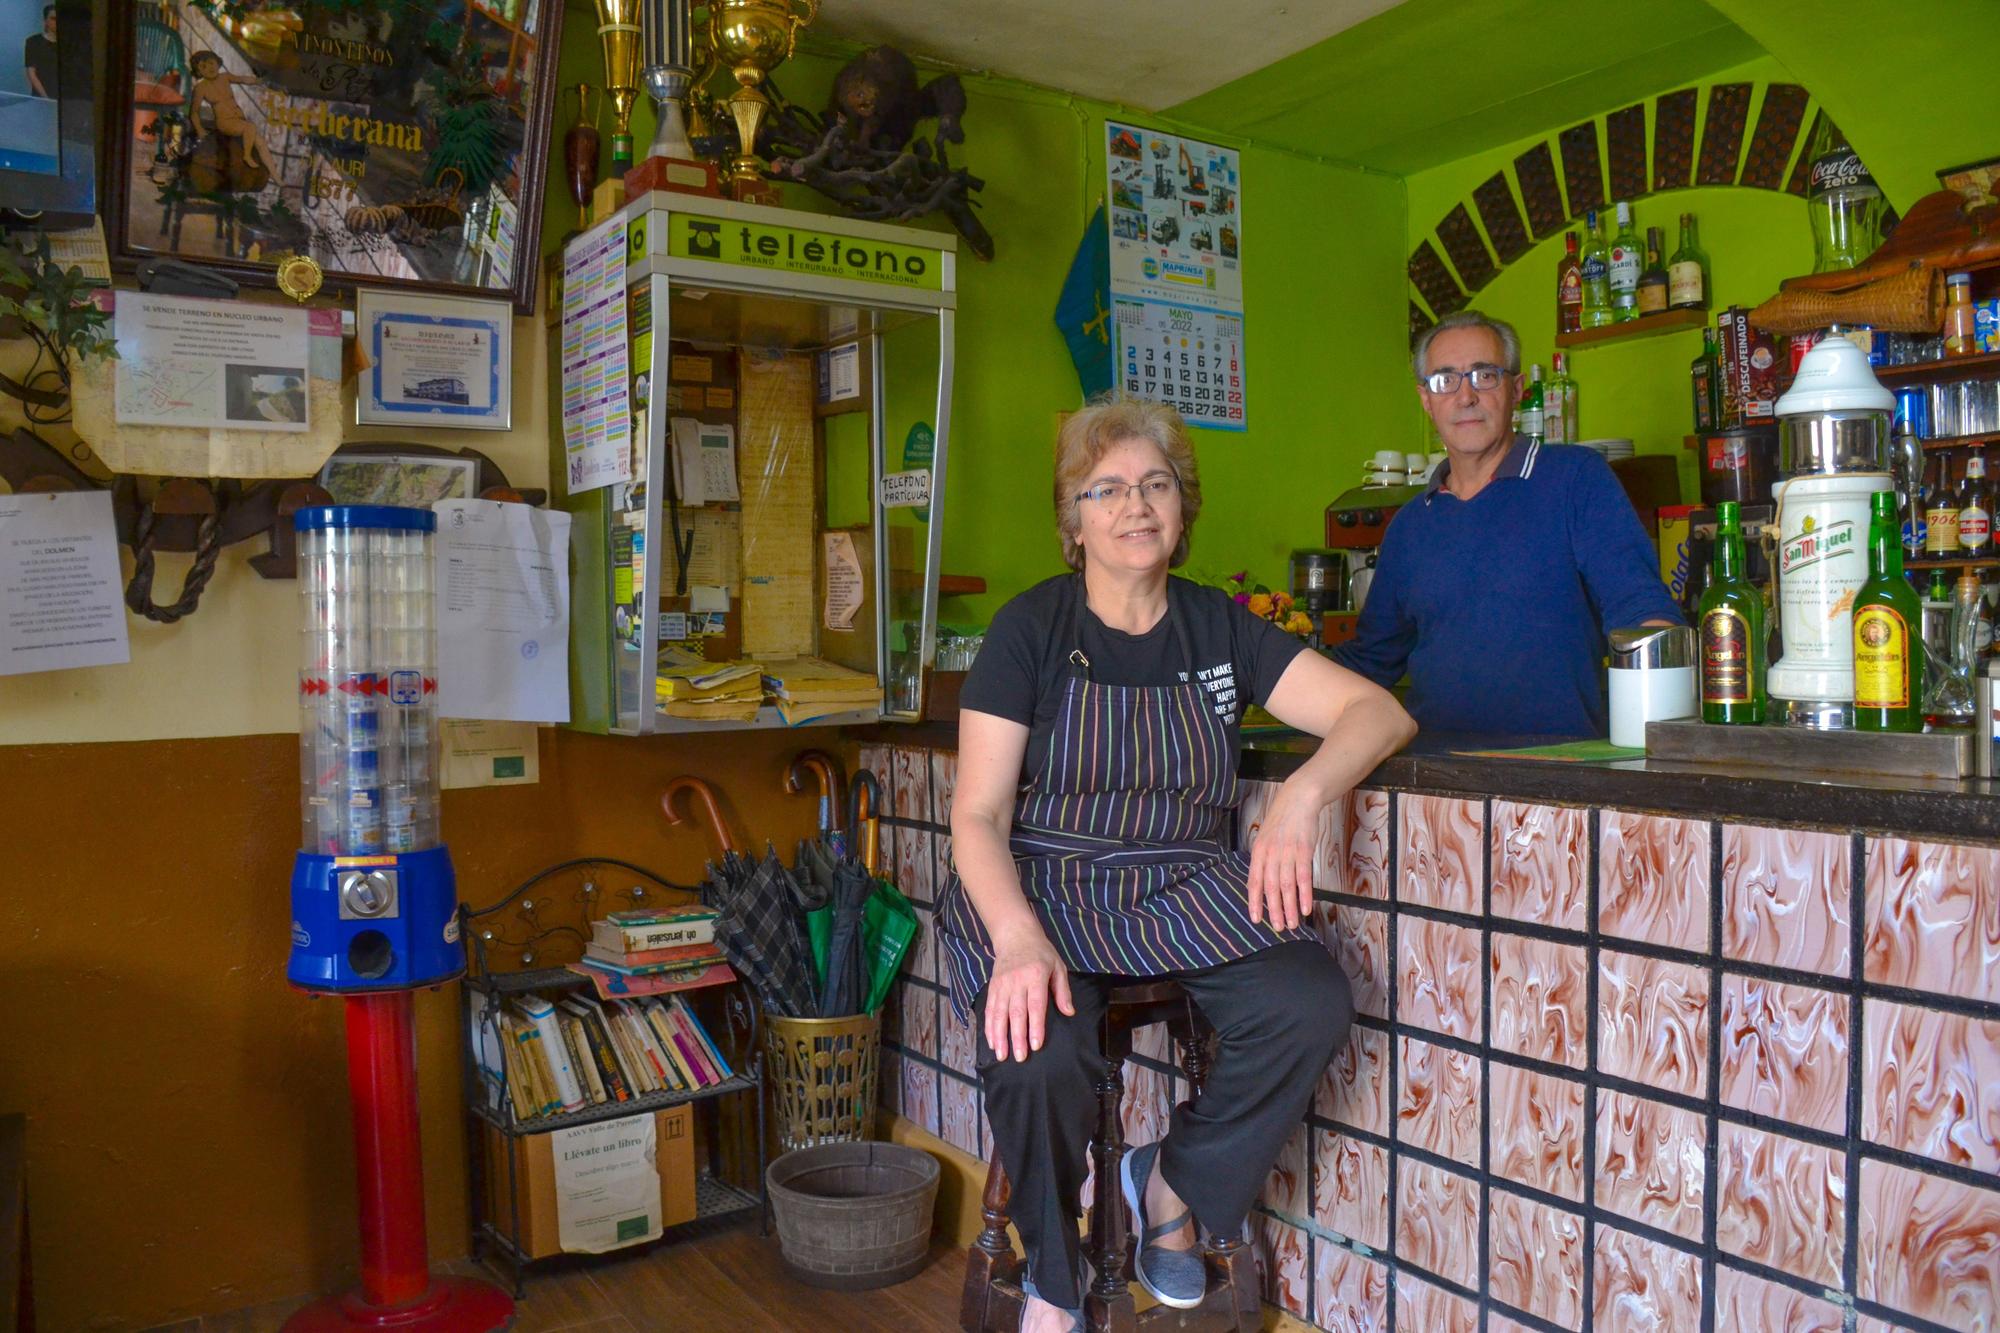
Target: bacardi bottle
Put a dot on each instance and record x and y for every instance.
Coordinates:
(1625, 263)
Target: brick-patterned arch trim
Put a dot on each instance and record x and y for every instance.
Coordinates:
(1515, 210)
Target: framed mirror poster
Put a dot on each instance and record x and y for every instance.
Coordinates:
(394, 142)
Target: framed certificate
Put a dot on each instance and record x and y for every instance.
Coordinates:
(438, 361)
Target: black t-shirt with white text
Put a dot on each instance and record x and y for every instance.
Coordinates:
(1023, 667)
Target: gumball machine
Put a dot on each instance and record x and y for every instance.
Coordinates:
(373, 897)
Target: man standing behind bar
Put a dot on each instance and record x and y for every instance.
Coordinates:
(1496, 588)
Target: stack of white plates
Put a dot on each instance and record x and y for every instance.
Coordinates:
(1610, 450)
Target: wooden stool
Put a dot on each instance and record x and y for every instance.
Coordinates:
(993, 1300)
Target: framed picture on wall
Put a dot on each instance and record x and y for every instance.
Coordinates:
(413, 481)
(1978, 182)
(438, 361)
(397, 143)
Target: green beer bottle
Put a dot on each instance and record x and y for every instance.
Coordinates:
(1888, 625)
(1730, 622)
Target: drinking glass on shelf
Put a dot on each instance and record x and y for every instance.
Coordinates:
(1946, 411)
(1982, 407)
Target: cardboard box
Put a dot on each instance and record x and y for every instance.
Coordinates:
(535, 1180)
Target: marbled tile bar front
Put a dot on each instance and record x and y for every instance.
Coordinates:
(1471, 1136)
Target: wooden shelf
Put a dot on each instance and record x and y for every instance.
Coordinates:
(1961, 442)
(1923, 372)
(1976, 562)
(1646, 326)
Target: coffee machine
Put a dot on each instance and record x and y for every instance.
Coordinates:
(1355, 522)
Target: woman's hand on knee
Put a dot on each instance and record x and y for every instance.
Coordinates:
(1026, 971)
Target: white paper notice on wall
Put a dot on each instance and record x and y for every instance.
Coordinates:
(503, 611)
(189, 362)
(843, 580)
(607, 1184)
(906, 490)
(60, 593)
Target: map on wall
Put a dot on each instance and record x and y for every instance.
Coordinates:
(1176, 219)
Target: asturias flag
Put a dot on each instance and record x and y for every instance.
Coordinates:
(1083, 311)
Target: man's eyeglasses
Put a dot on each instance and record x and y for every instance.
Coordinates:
(1153, 490)
(1483, 378)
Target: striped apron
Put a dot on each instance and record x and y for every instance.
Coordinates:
(1119, 838)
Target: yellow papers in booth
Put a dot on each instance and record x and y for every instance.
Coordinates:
(806, 688)
(690, 686)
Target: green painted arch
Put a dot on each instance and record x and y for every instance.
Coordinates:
(1750, 135)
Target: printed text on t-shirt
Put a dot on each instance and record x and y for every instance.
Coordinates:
(1220, 682)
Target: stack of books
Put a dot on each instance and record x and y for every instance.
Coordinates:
(577, 1052)
(652, 952)
(690, 686)
(806, 689)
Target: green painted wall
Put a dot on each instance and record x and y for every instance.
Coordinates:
(1324, 292)
(1638, 389)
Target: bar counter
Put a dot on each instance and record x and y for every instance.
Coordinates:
(1638, 1045)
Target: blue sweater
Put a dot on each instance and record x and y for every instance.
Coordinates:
(1498, 606)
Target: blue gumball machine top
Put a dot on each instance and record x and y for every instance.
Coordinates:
(373, 899)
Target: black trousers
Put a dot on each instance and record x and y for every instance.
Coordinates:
(1281, 1015)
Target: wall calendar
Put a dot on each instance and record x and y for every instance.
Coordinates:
(1176, 260)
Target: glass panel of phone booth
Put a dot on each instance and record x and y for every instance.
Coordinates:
(914, 379)
(793, 387)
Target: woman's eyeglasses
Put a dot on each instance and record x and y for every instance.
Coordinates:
(1153, 490)
(1483, 378)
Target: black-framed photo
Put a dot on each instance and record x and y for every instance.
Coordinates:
(397, 143)
(1977, 182)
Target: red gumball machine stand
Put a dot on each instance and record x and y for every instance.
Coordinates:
(397, 1291)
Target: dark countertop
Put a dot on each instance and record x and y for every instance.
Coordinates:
(1928, 807)
(1933, 808)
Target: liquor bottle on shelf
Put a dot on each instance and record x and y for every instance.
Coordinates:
(1730, 621)
(1940, 511)
(1960, 320)
(1888, 631)
(1531, 407)
(1596, 269)
(1569, 287)
(1687, 271)
(1623, 273)
(1653, 278)
(1559, 404)
(1975, 509)
(1705, 381)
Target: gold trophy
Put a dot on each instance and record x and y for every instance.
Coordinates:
(618, 31)
(752, 38)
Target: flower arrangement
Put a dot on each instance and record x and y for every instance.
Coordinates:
(1261, 602)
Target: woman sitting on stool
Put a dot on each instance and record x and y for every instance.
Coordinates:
(1096, 773)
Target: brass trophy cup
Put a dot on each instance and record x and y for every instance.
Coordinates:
(671, 162)
(754, 37)
(618, 31)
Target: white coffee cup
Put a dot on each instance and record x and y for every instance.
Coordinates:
(1386, 479)
(1414, 465)
(1387, 460)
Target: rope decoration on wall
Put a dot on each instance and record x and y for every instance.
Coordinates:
(1460, 256)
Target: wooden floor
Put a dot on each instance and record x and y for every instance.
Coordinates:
(730, 1281)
